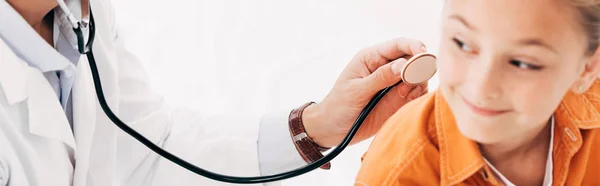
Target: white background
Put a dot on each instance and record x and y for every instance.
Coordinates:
(259, 56)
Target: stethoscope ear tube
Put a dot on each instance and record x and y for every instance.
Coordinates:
(82, 46)
(87, 50)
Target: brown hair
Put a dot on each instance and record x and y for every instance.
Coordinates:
(590, 12)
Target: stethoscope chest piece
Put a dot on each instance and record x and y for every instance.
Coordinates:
(419, 68)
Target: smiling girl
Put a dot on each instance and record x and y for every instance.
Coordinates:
(518, 102)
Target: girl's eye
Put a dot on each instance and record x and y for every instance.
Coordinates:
(517, 63)
(462, 46)
(525, 66)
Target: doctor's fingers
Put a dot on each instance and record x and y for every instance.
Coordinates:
(384, 76)
(378, 55)
(410, 92)
(414, 91)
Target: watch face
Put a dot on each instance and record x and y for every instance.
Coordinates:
(419, 68)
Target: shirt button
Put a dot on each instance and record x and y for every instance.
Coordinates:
(484, 174)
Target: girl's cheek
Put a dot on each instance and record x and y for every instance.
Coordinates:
(452, 70)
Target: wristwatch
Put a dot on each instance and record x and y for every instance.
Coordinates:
(307, 148)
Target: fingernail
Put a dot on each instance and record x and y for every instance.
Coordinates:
(415, 93)
(397, 66)
(424, 48)
(404, 90)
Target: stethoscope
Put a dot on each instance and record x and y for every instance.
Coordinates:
(418, 69)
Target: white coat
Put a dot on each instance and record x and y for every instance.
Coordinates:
(34, 129)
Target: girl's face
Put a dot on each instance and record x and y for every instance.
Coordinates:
(505, 65)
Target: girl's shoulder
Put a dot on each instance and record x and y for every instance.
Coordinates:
(407, 139)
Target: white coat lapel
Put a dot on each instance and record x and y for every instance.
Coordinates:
(13, 76)
(46, 116)
(21, 82)
(25, 88)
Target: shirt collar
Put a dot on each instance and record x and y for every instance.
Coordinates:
(547, 176)
(581, 110)
(26, 43)
(460, 157)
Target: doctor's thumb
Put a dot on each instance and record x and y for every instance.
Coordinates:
(385, 76)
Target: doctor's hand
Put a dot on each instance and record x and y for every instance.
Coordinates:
(371, 70)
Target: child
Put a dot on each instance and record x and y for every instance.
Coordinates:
(518, 102)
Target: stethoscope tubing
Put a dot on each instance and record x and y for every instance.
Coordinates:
(87, 50)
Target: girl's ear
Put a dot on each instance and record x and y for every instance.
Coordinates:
(590, 73)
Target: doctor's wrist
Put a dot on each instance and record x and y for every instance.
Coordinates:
(312, 118)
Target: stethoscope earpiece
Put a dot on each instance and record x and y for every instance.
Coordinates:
(79, 26)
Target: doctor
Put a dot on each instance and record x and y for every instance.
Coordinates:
(53, 132)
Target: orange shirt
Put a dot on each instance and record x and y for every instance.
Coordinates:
(421, 145)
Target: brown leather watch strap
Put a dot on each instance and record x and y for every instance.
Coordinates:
(307, 148)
